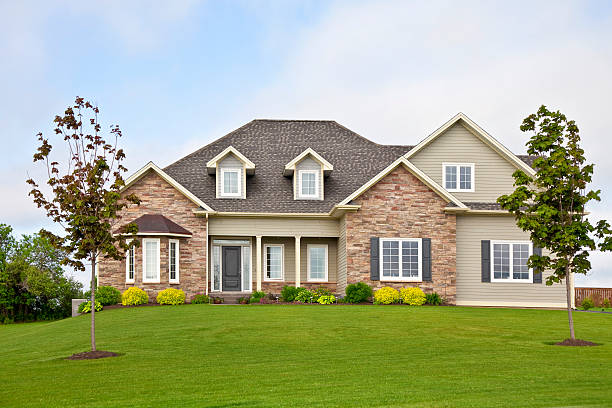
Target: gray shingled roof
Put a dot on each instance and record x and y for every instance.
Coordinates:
(271, 144)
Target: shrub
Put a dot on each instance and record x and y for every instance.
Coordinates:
(322, 291)
(217, 300)
(358, 292)
(606, 303)
(266, 301)
(412, 296)
(171, 296)
(587, 303)
(386, 296)
(289, 293)
(327, 299)
(306, 296)
(200, 300)
(433, 299)
(108, 295)
(85, 307)
(257, 296)
(134, 296)
(243, 300)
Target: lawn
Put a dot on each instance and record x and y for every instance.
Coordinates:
(310, 356)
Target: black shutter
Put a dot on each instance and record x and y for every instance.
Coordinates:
(426, 259)
(485, 245)
(374, 259)
(537, 274)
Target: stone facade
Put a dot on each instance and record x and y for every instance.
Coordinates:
(159, 197)
(401, 206)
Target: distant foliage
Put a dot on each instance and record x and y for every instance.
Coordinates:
(606, 303)
(200, 300)
(171, 296)
(412, 296)
(134, 296)
(358, 292)
(587, 303)
(386, 296)
(85, 307)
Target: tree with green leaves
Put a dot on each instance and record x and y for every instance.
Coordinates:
(84, 195)
(551, 205)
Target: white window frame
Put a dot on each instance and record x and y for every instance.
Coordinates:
(217, 245)
(238, 172)
(458, 169)
(317, 185)
(511, 278)
(131, 252)
(325, 246)
(178, 256)
(401, 278)
(282, 263)
(144, 260)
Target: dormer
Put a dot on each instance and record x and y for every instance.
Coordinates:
(308, 170)
(230, 168)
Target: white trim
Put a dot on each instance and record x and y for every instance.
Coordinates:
(151, 166)
(458, 169)
(511, 253)
(246, 243)
(414, 170)
(290, 167)
(212, 163)
(316, 194)
(282, 262)
(177, 255)
(401, 278)
(236, 170)
(325, 246)
(144, 260)
(130, 252)
(478, 132)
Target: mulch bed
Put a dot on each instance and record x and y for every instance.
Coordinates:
(92, 355)
(576, 343)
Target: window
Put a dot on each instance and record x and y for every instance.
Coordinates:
(458, 177)
(317, 263)
(309, 184)
(130, 264)
(401, 259)
(273, 262)
(173, 262)
(510, 261)
(150, 256)
(230, 182)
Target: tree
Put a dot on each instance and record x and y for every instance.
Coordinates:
(552, 204)
(84, 195)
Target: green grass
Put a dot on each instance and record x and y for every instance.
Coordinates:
(310, 356)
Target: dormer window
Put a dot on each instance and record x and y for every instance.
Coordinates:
(230, 182)
(308, 170)
(230, 167)
(309, 183)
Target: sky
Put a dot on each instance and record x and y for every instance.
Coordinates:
(178, 75)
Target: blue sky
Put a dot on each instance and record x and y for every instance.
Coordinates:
(177, 75)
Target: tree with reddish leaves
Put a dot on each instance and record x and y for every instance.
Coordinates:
(84, 194)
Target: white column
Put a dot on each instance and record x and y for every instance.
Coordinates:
(258, 269)
(297, 261)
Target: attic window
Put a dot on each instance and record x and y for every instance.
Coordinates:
(230, 182)
(309, 184)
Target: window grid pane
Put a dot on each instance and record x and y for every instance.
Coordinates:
(465, 178)
(308, 184)
(451, 177)
(520, 255)
(274, 262)
(131, 264)
(501, 261)
(150, 260)
(317, 263)
(173, 260)
(230, 182)
(391, 259)
(410, 259)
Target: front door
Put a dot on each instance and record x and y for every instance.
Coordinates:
(230, 268)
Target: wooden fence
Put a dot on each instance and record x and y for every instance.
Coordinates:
(597, 294)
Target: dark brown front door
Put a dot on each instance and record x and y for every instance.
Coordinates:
(231, 268)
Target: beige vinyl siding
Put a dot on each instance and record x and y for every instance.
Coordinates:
(308, 164)
(341, 258)
(493, 173)
(281, 226)
(231, 161)
(332, 262)
(471, 229)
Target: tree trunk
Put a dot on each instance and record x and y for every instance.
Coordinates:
(569, 289)
(93, 303)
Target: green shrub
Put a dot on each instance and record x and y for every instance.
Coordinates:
(587, 303)
(289, 293)
(85, 307)
(606, 303)
(358, 292)
(322, 291)
(306, 296)
(386, 296)
(433, 299)
(412, 296)
(108, 295)
(326, 299)
(171, 296)
(243, 300)
(217, 300)
(257, 296)
(200, 300)
(134, 296)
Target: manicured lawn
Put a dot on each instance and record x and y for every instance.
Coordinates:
(310, 356)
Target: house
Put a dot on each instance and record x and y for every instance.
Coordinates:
(312, 203)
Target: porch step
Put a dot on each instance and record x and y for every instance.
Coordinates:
(229, 297)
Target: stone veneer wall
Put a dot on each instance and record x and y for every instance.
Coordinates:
(401, 206)
(159, 197)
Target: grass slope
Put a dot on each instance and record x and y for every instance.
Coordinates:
(315, 356)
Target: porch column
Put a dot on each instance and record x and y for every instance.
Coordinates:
(258, 268)
(297, 261)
